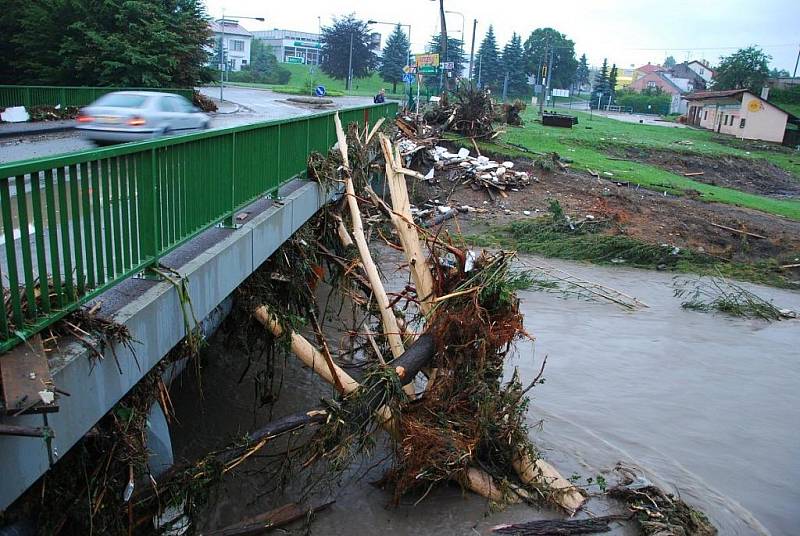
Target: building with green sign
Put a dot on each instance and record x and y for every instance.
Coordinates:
(291, 46)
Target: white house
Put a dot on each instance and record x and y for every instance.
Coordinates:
(703, 71)
(235, 41)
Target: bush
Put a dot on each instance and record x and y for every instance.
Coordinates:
(785, 96)
(658, 102)
(277, 76)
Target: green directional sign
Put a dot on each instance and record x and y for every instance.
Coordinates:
(294, 59)
(428, 69)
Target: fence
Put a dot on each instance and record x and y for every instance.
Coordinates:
(29, 96)
(76, 225)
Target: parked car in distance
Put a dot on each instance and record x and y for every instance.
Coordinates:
(137, 115)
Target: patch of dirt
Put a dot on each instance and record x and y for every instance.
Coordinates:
(744, 174)
(641, 214)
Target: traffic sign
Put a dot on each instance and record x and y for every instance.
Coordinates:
(295, 59)
(409, 69)
(408, 78)
(448, 65)
(319, 91)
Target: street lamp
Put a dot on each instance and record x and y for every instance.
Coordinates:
(222, 63)
(462, 29)
(408, 58)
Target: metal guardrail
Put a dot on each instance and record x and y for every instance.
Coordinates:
(67, 96)
(76, 225)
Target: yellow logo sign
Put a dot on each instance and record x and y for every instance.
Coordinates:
(427, 60)
(755, 106)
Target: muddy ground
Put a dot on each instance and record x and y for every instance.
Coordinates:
(641, 214)
(744, 174)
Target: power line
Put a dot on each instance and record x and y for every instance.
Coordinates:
(707, 48)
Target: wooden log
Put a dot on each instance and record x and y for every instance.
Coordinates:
(739, 231)
(695, 174)
(307, 353)
(549, 527)
(403, 223)
(389, 321)
(267, 521)
(541, 474)
(23, 431)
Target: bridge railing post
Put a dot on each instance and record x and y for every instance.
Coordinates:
(149, 207)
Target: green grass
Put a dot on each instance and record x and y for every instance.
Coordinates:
(789, 107)
(301, 74)
(589, 148)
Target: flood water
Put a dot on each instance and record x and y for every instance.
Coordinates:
(705, 405)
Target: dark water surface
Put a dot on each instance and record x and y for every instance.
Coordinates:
(706, 405)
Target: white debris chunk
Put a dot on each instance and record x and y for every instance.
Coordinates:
(508, 165)
(47, 396)
(429, 175)
(500, 171)
(463, 152)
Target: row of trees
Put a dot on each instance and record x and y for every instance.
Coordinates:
(104, 42)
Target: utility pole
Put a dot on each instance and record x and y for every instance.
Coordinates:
(442, 44)
(796, 62)
(350, 64)
(472, 50)
(505, 87)
(547, 82)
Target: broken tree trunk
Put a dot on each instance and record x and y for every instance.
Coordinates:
(541, 474)
(549, 527)
(390, 328)
(403, 223)
(269, 520)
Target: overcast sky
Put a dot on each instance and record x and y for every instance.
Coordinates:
(625, 31)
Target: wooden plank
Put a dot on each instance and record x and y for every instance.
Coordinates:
(24, 374)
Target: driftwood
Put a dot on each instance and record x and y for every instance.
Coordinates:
(554, 527)
(541, 474)
(267, 521)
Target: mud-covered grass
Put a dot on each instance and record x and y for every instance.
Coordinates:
(591, 145)
(622, 250)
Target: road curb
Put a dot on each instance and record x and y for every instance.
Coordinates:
(11, 133)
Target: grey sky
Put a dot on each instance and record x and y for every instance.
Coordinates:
(625, 31)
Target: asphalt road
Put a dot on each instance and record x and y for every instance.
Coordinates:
(255, 105)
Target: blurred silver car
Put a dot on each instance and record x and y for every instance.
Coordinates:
(136, 115)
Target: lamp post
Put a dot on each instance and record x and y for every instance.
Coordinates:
(408, 58)
(461, 52)
(222, 63)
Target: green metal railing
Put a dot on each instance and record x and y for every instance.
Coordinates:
(78, 224)
(67, 96)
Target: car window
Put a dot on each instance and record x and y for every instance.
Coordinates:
(165, 104)
(121, 100)
(180, 104)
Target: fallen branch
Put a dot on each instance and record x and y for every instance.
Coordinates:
(738, 231)
(539, 473)
(552, 527)
(269, 520)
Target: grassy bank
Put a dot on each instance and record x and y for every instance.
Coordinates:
(302, 78)
(590, 143)
(548, 237)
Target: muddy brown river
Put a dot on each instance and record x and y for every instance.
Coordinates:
(707, 406)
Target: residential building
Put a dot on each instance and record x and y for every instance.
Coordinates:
(702, 69)
(291, 46)
(236, 42)
(625, 77)
(685, 71)
(656, 79)
(742, 114)
(787, 82)
(647, 69)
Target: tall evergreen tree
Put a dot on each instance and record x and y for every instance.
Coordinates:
(514, 67)
(104, 42)
(582, 72)
(394, 58)
(612, 78)
(336, 48)
(488, 61)
(455, 52)
(536, 54)
(669, 62)
(600, 89)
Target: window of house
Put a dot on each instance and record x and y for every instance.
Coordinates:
(244, 62)
(705, 115)
(741, 122)
(651, 83)
(238, 46)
